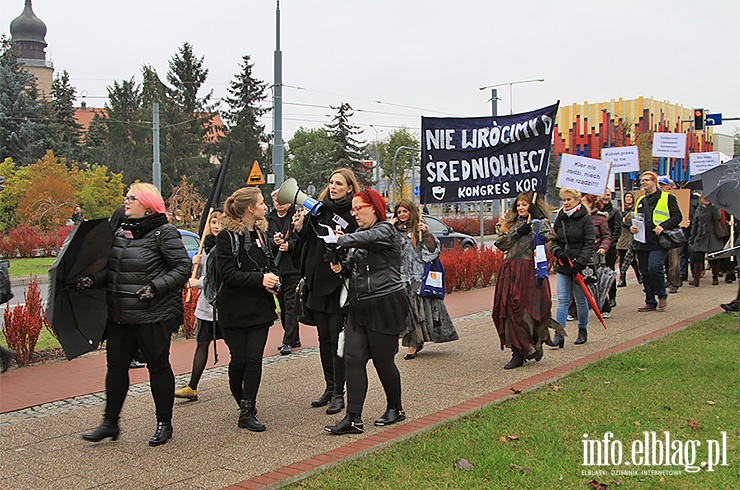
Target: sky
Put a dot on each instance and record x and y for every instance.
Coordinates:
(394, 61)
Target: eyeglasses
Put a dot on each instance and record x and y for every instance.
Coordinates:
(356, 209)
(129, 198)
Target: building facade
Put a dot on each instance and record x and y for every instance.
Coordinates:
(28, 37)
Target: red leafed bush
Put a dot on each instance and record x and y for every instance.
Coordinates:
(471, 268)
(24, 241)
(470, 225)
(23, 324)
(489, 264)
(190, 323)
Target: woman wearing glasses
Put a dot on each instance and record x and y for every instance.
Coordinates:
(378, 310)
(323, 285)
(146, 270)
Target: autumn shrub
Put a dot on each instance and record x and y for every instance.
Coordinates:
(24, 241)
(23, 324)
(189, 324)
(468, 269)
(471, 225)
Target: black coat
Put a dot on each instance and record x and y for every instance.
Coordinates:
(157, 258)
(614, 218)
(276, 224)
(243, 301)
(576, 236)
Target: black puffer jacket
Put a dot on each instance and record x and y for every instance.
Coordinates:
(156, 258)
(243, 301)
(576, 236)
(374, 261)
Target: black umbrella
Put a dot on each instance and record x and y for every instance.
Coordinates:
(78, 316)
(721, 185)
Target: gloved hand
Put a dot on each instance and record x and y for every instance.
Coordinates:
(85, 282)
(146, 293)
(524, 229)
(561, 254)
(578, 267)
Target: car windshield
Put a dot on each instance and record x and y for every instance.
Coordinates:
(191, 243)
(435, 226)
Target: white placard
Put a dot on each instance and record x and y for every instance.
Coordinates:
(669, 145)
(623, 159)
(587, 175)
(701, 162)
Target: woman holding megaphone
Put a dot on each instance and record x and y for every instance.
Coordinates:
(323, 285)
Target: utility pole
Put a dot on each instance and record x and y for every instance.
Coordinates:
(278, 156)
(156, 165)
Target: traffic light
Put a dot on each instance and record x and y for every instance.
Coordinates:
(698, 119)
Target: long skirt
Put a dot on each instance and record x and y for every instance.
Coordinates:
(521, 309)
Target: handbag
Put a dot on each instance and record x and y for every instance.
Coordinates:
(672, 238)
(721, 229)
(301, 311)
(433, 283)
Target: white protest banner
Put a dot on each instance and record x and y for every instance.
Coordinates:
(701, 162)
(669, 145)
(587, 175)
(623, 159)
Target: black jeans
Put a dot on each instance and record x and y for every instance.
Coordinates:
(329, 325)
(246, 345)
(122, 344)
(286, 298)
(361, 345)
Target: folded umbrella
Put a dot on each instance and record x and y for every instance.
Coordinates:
(78, 317)
(578, 277)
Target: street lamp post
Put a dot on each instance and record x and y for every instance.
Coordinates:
(395, 155)
(376, 173)
(511, 91)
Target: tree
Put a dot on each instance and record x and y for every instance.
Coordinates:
(63, 133)
(310, 157)
(21, 129)
(98, 192)
(347, 149)
(246, 134)
(396, 139)
(185, 204)
(49, 198)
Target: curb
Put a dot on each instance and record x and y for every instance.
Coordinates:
(23, 281)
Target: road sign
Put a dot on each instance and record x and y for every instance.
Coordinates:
(713, 120)
(255, 175)
(417, 191)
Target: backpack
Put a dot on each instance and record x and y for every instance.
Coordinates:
(5, 293)
(212, 281)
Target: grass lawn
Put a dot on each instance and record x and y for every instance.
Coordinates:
(46, 340)
(685, 384)
(38, 266)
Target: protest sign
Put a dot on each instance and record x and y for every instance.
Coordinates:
(669, 145)
(701, 162)
(587, 175)
(623, 159)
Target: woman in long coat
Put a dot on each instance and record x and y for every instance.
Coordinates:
(521, 308)
(704, 240)
(430, 319)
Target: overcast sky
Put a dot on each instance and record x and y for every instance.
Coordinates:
(396, 60)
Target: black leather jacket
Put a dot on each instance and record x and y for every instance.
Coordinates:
(374, 261)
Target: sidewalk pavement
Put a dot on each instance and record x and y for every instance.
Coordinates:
(42, 447)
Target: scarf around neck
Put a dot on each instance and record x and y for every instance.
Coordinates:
(141, 226)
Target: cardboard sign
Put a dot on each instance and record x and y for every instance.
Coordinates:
(701, 162)
(683, 196)
(587, 175)
(623, 159)
(255, 175)
(669, 145)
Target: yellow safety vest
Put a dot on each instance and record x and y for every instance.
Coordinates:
(661, 212)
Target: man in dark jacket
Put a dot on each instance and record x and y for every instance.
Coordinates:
(660, 212)
(283, 244)
(614, 219)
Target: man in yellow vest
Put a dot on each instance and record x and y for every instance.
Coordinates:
(660, 212)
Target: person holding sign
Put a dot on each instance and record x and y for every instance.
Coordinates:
(521, 306)
(574, 247)
(659, 212)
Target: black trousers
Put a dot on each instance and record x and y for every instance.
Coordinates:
(286, 298)
(361, 345)
(154, 342)
(611, 262)
(329, 325)
(246, 345)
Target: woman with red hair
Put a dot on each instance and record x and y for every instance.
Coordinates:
(378, 310)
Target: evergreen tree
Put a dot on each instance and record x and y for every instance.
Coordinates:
(246, 134)
(347, 151)
(63, 133)
(21, 127)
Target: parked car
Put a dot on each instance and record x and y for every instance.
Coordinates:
(191, 241)
(446, 235)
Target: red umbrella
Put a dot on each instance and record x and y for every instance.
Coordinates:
(591, 301)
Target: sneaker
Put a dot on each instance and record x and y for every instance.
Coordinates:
(187, 392)
(285, 349)
(606, 314)
(673, 289)
(136, 364)
(571, 318)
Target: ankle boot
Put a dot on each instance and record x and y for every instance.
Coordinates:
(248, 417)
(162, 434)
(622, 281)
(108, 428)
(336, 405)
(350, 424)
(557, 341)
(582, 336)
(515, 362)
(324, 398)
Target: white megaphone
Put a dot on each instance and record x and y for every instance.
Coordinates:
(290, 193)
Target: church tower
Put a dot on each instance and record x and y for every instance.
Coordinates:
(27, 35)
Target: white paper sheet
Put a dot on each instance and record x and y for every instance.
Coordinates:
(639, 223)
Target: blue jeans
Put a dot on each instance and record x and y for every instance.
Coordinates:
(565, 286)
(652, 264)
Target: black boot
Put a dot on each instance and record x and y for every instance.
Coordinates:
(557, 341)
(336, 405)
(350, 424)
(391, 416)
(582, 336)
(324, 398)
(109, 428)
(733, 305)
(248, 417)
(537, 354)
(515, 362)
(622, 282)
(6, 355)
(162, 434)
